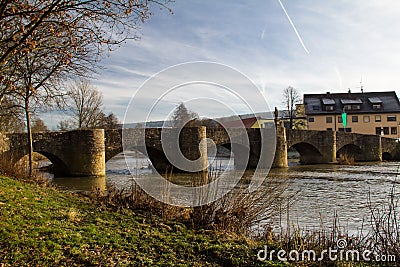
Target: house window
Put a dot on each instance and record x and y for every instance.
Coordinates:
(329, 129)
(354, 118)
(347, 107)
(378, 130)
(355, 107)
(328, 108)
(311, 119)
(391, 118)
(393, 130)
(385, 130)
(347, 130)
(328, 119)
(366, 119)
(376, 106)
(377, 118)
(339, 119)
(315, 107)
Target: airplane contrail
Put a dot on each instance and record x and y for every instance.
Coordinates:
(294, 27)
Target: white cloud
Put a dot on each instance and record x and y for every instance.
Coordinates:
(347, 40)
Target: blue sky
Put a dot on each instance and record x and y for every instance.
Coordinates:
(343, 42)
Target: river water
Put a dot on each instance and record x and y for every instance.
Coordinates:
(321, 190)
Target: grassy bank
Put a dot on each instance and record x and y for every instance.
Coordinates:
(41, 226)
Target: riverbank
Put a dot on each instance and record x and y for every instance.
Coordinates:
(42, 226)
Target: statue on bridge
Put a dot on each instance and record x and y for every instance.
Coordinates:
(276, 114)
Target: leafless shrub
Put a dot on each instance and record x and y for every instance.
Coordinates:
(20, 170)
(240, 210)
(385, 221)
(140, 200)
(346, 159)
(236, 212)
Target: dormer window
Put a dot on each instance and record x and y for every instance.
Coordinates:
(328, 104)
(329, 108)
(376, 103)
(351, 104)
(376, 106)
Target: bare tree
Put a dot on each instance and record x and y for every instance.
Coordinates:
(65, 125)
(11, 119)
(110, 121)
(291, 97)
(86, 105)
(44, 42)
(10, 123)
(90, 25)
(38, 125)
(72, 36)
(37, 84)
(184, 117)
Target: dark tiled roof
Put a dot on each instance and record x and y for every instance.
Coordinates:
(247, 123)
(350, 101)
(314, 103)
(375, 100)
(328, 101)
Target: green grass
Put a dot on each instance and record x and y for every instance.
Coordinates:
(41, 226)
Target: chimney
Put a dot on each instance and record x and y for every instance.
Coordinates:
(349, 91)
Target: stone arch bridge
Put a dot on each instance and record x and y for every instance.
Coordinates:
(317, 147)
(85, 152)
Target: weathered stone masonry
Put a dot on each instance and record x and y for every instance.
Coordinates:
(85, 152)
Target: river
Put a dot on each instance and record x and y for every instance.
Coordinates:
(322, 190)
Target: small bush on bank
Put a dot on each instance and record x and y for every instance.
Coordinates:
(236, 212)
(385, 223)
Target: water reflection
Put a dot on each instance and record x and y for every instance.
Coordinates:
(77, 184)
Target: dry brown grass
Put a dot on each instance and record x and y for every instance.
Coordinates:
(385, 221)
(346, 159)
(236, 212)
(20, 170)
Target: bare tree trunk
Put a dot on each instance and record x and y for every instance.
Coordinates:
(30, 142)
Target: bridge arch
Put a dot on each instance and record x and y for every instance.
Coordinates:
(309, 154)
(59, 167)
(351, 153)
(136, 160)
(242, 155)
(157, 157)
(387, 156)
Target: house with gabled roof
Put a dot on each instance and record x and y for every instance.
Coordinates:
(249, 122)
(366, 112)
